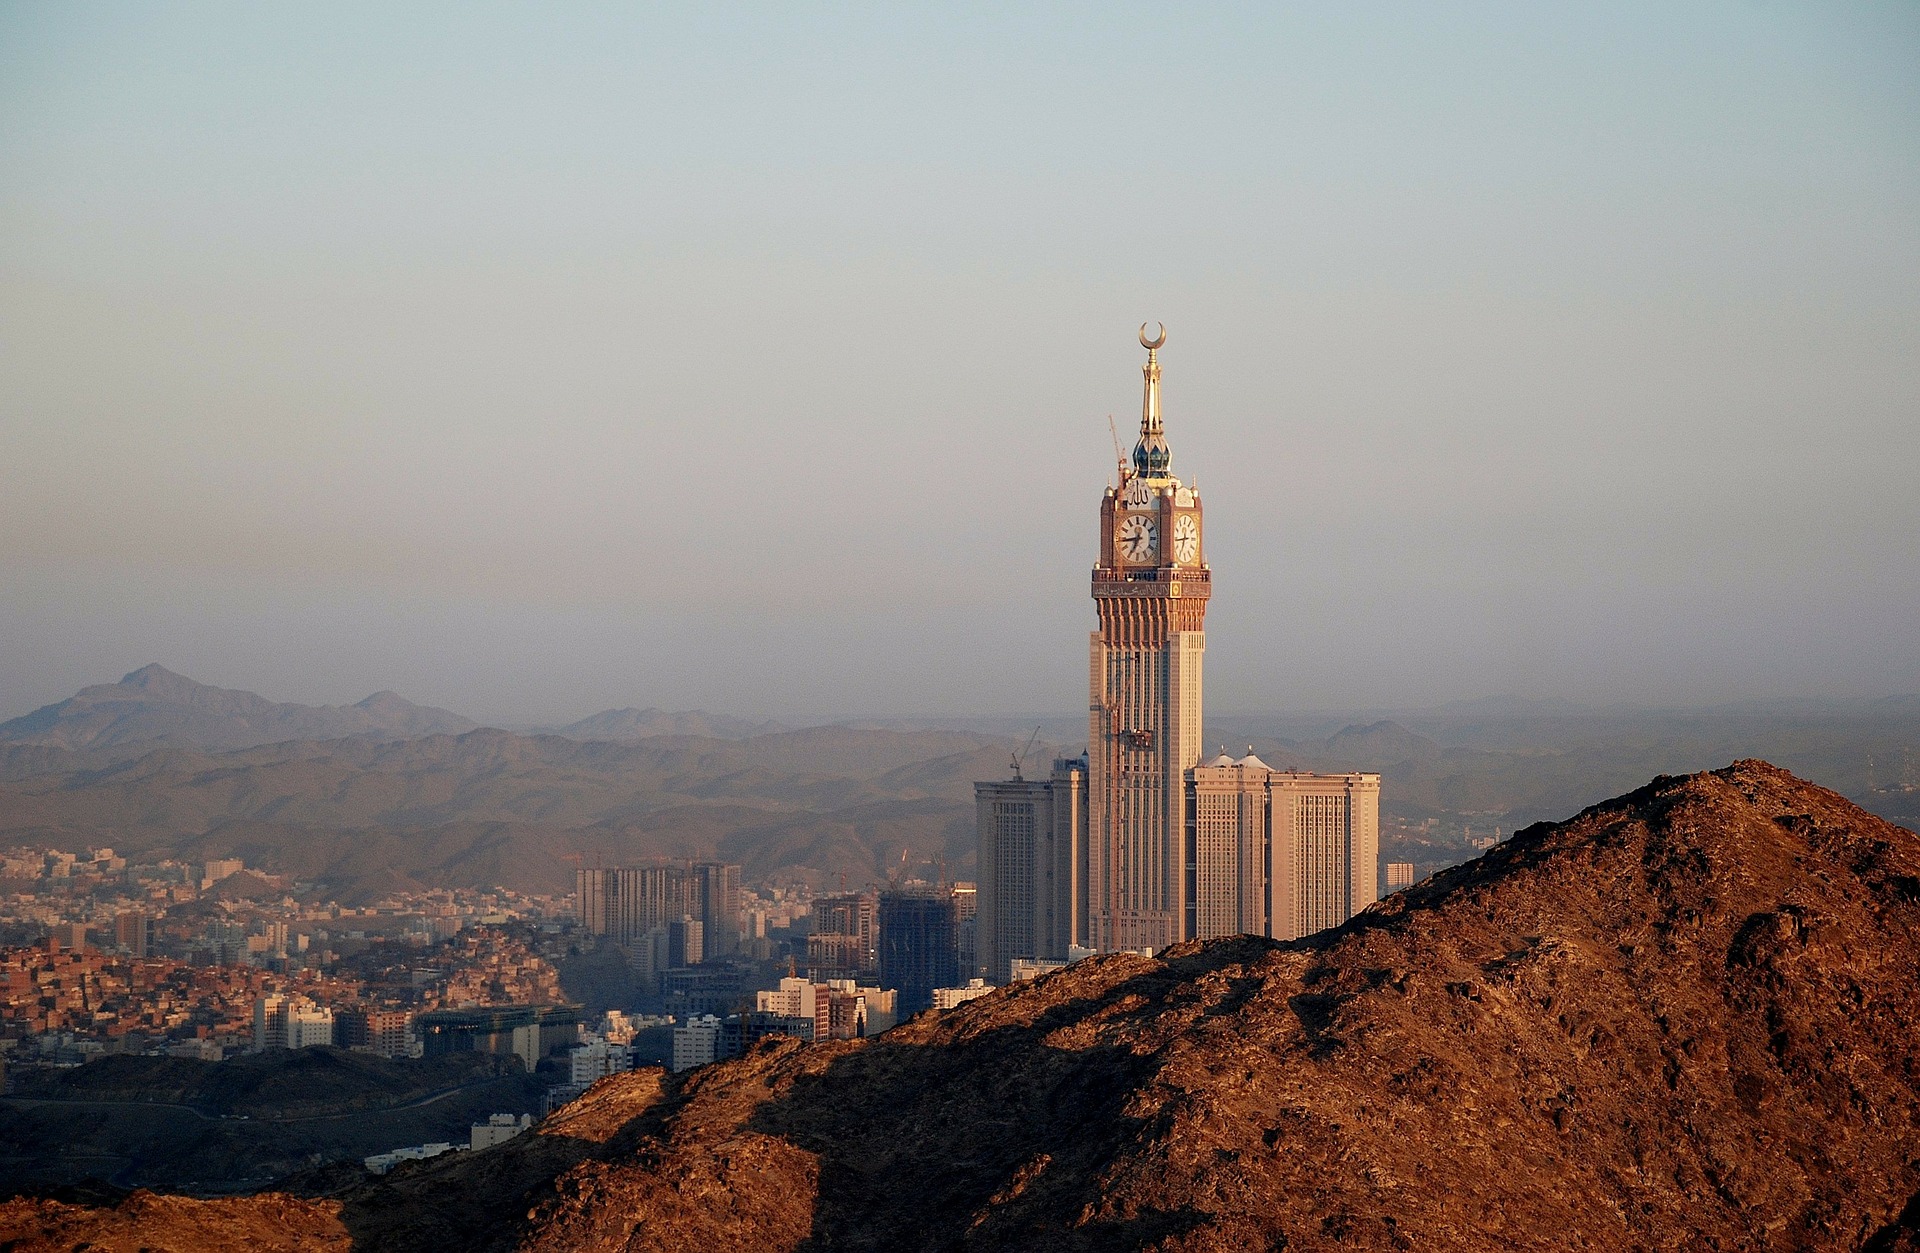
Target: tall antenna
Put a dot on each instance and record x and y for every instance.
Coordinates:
(1119, 458)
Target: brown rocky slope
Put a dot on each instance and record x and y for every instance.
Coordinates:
(1685, 1019)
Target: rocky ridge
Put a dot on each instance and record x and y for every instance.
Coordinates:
(1684, 1019)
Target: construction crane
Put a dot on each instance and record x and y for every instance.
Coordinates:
(1120, 458)
(1021, 756)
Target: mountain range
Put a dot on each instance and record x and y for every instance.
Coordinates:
(490, 807)
(387, 795)
(154, 703)
(1682, 1019)
(641, 724)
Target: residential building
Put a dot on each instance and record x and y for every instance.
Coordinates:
(130, 932)
(270, 1021)
(220, 868)
(696, 1043)
(382, 1032)
(596, 1058)
(309, 1026)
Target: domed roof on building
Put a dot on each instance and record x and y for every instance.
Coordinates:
(1151, 457)
(1252, 761)
(1221, 760)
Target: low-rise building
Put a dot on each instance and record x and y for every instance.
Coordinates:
(381, 1163)
(947, 998)
(498, 1129)
(309, 1027)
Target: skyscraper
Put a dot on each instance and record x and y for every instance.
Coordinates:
(1324, 849)
(1032, 895)
(1151, 584)
(625, 905)
(1282, 853)
(917, 950)
(1139, 845)
(719, 895)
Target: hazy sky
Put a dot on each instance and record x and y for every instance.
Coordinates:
(532, 360)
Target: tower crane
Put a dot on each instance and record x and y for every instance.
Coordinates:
(1021, 756)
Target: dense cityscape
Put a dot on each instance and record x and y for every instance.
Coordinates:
(840, 629)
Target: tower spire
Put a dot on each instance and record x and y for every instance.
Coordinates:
(1151, 456)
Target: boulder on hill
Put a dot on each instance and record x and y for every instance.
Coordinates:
(1684, 1019)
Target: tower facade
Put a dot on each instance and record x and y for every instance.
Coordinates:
(1140, 844)
(1283, 853)
(1150, 585)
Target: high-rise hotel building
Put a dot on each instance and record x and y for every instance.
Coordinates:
(626, 904)
(1139, 845)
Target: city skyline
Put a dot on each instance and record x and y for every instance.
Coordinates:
(362, 349)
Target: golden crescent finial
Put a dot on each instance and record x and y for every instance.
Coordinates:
(1151, 344)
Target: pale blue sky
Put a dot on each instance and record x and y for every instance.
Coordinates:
(536, 359)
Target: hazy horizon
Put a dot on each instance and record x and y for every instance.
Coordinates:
(1010, 721)
(535, 362)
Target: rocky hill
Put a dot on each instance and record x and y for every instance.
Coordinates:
(1684, 1019)
(153, 703)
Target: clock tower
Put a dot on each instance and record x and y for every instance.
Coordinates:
(1150, 586)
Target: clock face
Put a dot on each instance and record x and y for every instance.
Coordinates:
(1186, 539)
(1136, 536)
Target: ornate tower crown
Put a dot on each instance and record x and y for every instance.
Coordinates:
(1151, 457)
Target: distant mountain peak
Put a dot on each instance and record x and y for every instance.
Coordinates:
(155, 703)
(1380, 742)
(154, 677)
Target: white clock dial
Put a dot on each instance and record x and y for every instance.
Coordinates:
(1137, 536)
(1186, 539)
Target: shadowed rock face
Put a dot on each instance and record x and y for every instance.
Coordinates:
(1683, 1020)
